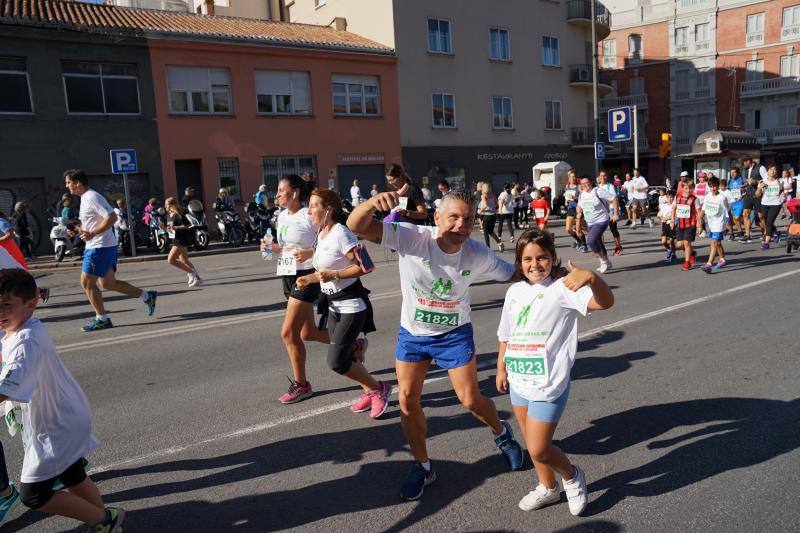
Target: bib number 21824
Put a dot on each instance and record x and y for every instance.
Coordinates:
(439, 319)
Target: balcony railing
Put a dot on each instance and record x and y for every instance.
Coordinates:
(683, 140)
(582, 10)
(761, 136)
(583, 74)
(644, 144)
(699, 47)
(639, 100)
(786, 133)
(681, 49)
(770, 86)
(754, 39)
(790, 32)
(703, 92)
(682, 95)
(584, 135)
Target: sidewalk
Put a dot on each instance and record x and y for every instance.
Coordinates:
(215, 248)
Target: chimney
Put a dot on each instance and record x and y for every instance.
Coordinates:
(209, 7)
(340, 23)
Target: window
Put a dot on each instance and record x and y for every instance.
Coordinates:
(444, 110)
(552, 115)
(757, 119)
(790, 65)
(791, 16)
(320, 3)
(636, 85)
(199, 90)
(787, 115)
(502, 113)
(701, 32)
(228, 172)
(702, 86)
(282, 92)
(355, 95)
(754, 70)
(682, 85)
(610, 53)
(680, 36)
(101, 88)
(274, 168)
(439, 36)
(498, 44)
(755, 29)
(551, 55)
(635, 47)
(15, 89)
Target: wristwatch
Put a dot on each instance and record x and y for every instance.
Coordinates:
(336, 275)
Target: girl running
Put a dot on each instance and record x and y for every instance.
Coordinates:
(541, 210)
(571, 192)
(338, 269)
(602, 182)
(487, 209)
(181, 234)
(594, 206)
(769, 190)
(538, 337)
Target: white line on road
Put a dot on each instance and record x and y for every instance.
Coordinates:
(481, 366)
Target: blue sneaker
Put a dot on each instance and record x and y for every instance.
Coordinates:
(510, 448)
(98, 324)
(417, 480)
(151, 302)
(8, 503)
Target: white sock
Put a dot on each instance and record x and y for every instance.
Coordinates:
(427, 465)
(101, 317)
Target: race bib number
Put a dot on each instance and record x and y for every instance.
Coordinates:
(526, 361)
(327, 287)
(772, 191)
(587, 205)
(737, 194)
(436, 313)
(683, 211)
(569, 195)
(539, 213)
(402, 203)
(171, 233)
(711, 208)
(287, 266)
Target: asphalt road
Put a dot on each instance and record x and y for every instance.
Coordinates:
(684, 409)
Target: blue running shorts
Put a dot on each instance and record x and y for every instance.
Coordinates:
(716, 235)
(453, 349)
(98, 261)
(737, 208)
(549, 412)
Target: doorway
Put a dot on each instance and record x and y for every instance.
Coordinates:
(189, 173)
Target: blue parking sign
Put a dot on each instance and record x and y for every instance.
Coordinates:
(599, 150)
(619, 124)
(124, 162)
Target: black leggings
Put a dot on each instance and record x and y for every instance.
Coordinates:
(770, 213)
(488, 228)
(36, 494)
(343, 329)
(613, 227)
(509, 219)
(3, 470)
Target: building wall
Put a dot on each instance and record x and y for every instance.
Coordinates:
(372, 19)
(36, 149)
(250, 137)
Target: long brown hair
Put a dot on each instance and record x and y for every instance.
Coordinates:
(330, 199)
(543, 239)
(172, 205)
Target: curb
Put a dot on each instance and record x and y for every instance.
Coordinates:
(146, 258)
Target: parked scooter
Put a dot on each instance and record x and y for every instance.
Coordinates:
(230, 226)
(63, 244)
(159, 239)
(258, 220)
(197, 222)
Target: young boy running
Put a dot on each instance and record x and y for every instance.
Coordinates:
(667, 231)
(56, 420)
(685, 222)
(715, 209)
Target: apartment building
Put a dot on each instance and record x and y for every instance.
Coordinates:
(487, 89)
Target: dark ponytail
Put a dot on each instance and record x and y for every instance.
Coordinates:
(302, 186)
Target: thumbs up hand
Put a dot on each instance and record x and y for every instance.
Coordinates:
(389, 200)
(577, 277)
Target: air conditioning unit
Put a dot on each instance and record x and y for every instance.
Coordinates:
(580, 136)
(712, 145)
(583, 74)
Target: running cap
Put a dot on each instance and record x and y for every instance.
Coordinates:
(684, 174)
(702, 175)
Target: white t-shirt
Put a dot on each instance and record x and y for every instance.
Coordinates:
(297, 231)
(596, 205)
(506, 203)
(665, 211)
(539, 325)
(95, 208)
(435, 285)
(355, 194)
(56, 418)
(628, 186)
(640, 183)
(611, 189)
(771, 194)
(727, 193)
(331, 254)
(716, 211)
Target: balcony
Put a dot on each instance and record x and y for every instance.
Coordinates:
(702, 92)
(579, 12)
(786, 134)
(581, 76)
(583, 137)
(702, 46)
(639, 100)
(681, 49)
(761, 136)
(789, 33)
(682, 140)
(754, 39)
(770, 86)
(644, 145)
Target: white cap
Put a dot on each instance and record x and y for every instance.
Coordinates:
(684, 173)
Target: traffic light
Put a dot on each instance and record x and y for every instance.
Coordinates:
(666, 145)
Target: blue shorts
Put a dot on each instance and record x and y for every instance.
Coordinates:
(98, 261)
(549, 412)
(453, 349)
(716, 235)
(737, 208)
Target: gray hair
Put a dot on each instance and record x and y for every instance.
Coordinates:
(462, 195)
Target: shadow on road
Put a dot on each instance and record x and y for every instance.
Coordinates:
(603, 367)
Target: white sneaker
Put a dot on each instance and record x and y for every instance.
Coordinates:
(576, 492)
(198, 282)
(192, 280)
(702, 234)
(539, 497)
(501, 248)
(604, 266)
(650, 222)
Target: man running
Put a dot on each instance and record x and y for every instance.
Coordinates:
(640, 202)
(100, 258)
(437, 266)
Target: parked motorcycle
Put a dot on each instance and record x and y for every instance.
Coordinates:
(159, 239)
(258, 220)
(197, 222)
(230, 227)
(63, 244)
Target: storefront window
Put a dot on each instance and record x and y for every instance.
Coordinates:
(455, 175)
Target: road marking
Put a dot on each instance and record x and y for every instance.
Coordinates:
(481, 366)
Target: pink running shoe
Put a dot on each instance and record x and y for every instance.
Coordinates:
(380, 399)
(296, 393)
(360, 349)
(364, 402)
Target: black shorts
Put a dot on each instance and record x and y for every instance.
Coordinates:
(184, 238)
(38, 493)
(667, 231)
(686, 234)
(309, 293)
(752, 204)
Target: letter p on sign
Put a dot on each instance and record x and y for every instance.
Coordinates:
(619, 124)
(123, 162)
(617, 118)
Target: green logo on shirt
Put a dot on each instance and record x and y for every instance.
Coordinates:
(427, 263)
(394, 226)
(466, 272)
(441, 288)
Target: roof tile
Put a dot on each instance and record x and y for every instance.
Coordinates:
(152, 23)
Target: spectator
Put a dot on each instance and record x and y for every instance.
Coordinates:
(8, 242)
(355, 194)
(261, 195)
(374, 191)
(188, 196)
(223, 202)
(68, 211)
(22, 227)
(152, 204)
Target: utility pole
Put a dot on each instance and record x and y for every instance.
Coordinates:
(594, 84)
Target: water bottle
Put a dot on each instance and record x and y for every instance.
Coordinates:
(266, 255)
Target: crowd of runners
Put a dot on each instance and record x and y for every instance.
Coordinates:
(321, 262)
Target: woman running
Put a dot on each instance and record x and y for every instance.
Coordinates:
(487, 209)
(338, 269)
(602, 181)
(571, 192)
(181, 234)
(594, 206)
(769, 190)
